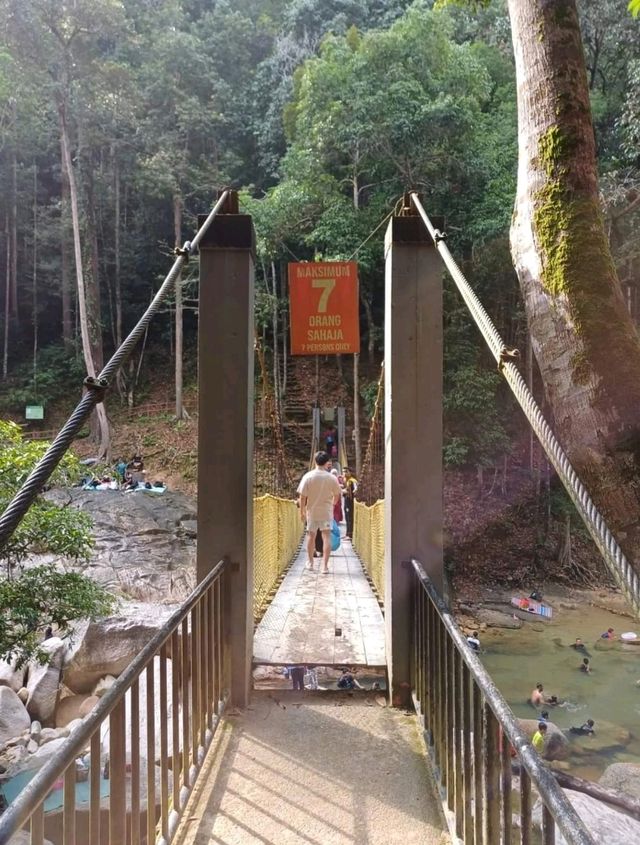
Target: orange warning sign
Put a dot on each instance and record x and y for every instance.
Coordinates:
(323, 298)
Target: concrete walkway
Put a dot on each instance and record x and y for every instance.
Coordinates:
(315, 769)
(320, 619)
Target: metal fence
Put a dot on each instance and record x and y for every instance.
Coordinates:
(368, 541)
(128, 769)
(473, 737)
(277, 534)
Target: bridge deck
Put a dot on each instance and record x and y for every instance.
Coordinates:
(304, 768)
(323, 620)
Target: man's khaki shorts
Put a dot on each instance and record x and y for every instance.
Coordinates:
(314, 524)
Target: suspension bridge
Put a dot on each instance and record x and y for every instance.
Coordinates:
(216, 761)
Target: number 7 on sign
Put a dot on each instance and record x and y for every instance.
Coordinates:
(327, 286)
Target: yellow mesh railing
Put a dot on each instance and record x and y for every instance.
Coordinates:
(368, 540)
(277, 531)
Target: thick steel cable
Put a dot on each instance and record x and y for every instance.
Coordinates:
(40, 474)
(623, 573)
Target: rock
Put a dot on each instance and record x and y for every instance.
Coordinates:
(13, 717)
(87, 705)
(104, 685)
(556, 744)
(41, 755)
(32, 746)
(69, 709)
(23, 694)
(622, 777)
(43, 681)
(73, 725)
(606, 825)
(48, 734)
(11, 676)
(107, 646)
(142, 686)
(497, 618)
(145, 545)
(36, 731)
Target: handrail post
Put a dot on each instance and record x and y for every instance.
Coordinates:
(225, 425)
(413, 429)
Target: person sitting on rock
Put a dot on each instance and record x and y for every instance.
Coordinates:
(586, 729)
(129, 482)
(348, 681)
(473, 641)
(539, 736)
(544, 716)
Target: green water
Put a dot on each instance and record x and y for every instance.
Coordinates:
(540, 652)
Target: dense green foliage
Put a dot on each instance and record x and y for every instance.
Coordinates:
(35, 598)
(41, 597)
(46, 527)
(323, 112)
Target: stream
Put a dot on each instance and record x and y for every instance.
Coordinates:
(541, 651)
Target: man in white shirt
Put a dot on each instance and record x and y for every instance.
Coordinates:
(319, 492)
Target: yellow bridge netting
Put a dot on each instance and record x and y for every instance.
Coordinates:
(277, 531)
(368, 540)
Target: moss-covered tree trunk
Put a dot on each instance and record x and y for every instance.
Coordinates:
(583, 338)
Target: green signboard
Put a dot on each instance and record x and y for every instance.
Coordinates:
(34, 412)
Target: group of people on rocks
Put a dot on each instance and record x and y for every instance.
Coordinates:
(126, 475)
(305, 677)
(323, 492)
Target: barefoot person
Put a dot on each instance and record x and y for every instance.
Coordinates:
(319, 491)
(537, 696)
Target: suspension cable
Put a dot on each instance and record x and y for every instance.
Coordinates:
(623, 573)
(96, 389)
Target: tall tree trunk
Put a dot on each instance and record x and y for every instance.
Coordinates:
(92, 278)
(65, 259)
(177, 234)
(34, 288)
(13, 294)
(116, 246)
(356, 413)
(370, 328)
(584, 340)
(101, 414)
(7, 301)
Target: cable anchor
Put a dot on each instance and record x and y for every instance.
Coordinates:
(439, 236)
(184, 251)
(507, 355)
(97, 385)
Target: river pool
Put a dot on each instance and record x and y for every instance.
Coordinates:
(610, 695)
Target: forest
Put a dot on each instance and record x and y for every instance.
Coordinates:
(121, 119)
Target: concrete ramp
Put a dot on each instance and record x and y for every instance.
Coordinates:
(315, 769)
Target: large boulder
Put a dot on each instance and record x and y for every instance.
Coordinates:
(145, 544)
(73, 707)
(623, 777)
(606, 825)
(556, 744)
(11, 676)
(14, 719)
(107, 646)
(497, 618)
(43, 681)
(23, 837)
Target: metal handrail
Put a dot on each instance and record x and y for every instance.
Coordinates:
(36, 791)
(553, 798)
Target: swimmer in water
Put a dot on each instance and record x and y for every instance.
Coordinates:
(608, 635)
(581, 647)
(585, 667)
(586, 729)
(537, 696)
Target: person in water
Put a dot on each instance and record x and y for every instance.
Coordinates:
(585, 667)
(581, 647)
(544, 716)
(537, 696)
(586, 729)
(608, 635)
